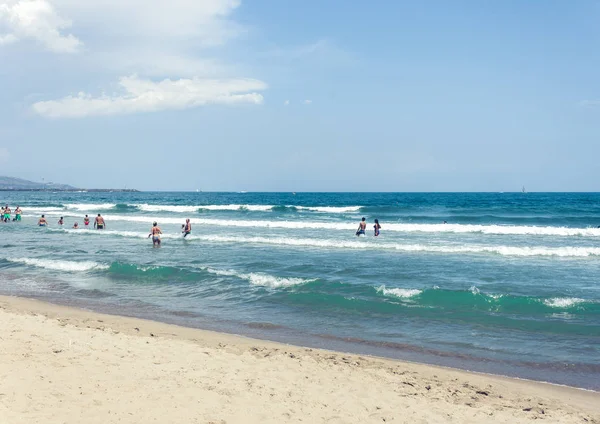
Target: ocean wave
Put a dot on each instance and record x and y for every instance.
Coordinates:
(240, 207)
(330, 209)
(475, 298)
(90, 206)
(59, 265)
(261, 279)
(402, 293)
(566, 251)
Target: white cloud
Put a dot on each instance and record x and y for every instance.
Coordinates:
(142, 95)
(37, 20)
(307, 102)
(286, 103)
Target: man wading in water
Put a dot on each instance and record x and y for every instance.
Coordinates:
(99, 223)
(362, 227)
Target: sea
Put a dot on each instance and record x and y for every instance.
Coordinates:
(502, 283)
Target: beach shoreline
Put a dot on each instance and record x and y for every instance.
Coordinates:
(63, 364)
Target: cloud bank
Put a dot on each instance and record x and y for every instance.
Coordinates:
(155, 49)
(141, 95)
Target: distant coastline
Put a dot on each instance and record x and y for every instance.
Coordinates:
(18, 184)
(76, 190)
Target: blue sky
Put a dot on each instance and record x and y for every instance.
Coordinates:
(302, 96)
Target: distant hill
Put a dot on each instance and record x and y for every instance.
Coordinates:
(9, 183)
(18, 184)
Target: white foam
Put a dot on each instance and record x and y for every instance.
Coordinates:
(330, 209)
(59, 265)
(260, 279)
(397, 292)
(41, 209)
(563, 302)
(90, 206)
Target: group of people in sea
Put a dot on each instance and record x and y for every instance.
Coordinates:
(362, 227)
(155, 231)
(5, 214)
(99, 222)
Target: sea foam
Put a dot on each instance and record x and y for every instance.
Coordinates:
(261, 279)
(397, 292)
(68, 266)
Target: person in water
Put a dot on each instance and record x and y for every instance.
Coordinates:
(18, 213)
(362, 227)
(86, 221)
(99, 223)
(6, 213)
(60, 221)
(155, 233)
(42, 221)
(76, 226)
(187, 228)
(377, 227)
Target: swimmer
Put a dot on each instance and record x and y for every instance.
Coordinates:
(361, 227)
(155, 233)
(76, 226)
(6, 213)
(99, 223)
(377, 227)
(42, 221)
(18, 213)
(86, 221)
(60, 221)
(187, 228)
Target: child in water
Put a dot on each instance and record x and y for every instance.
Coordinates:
(76, 226)
(377, 227)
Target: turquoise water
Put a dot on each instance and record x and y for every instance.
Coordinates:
(509, 285)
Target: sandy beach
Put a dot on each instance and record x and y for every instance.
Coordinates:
(65, 365)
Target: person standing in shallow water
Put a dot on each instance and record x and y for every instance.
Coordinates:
(18, 213)
(42, 221)
(155, 233)
(86, 221)
(99, 223)
(362, 226)
(376, 227)
(187, 228)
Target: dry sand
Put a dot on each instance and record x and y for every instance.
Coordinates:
(64, 365)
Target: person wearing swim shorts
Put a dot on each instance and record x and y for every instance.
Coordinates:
(7, 212)
(377, 227)
(187, 228)
(86, 221)
(155, 233)
(18, 213)
(42, 221)
(362, 226)
(99, 223)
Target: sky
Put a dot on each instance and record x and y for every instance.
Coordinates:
(318, 95)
